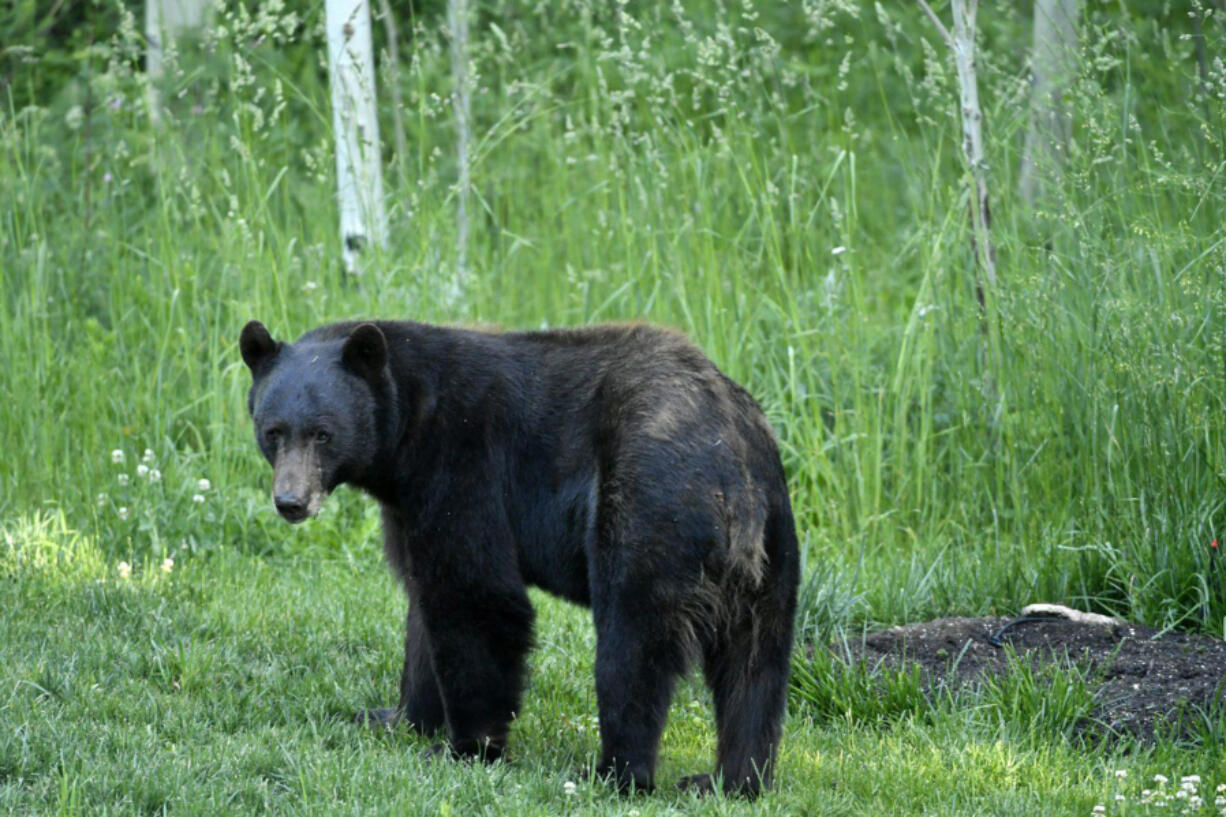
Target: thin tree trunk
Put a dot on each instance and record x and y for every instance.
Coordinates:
(359, 173)
(962, 42)
(1053, 67)
(457, 21)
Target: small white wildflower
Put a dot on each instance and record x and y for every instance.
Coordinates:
(1182, 794)
(569, 788)
(117, 456)
(142, 470)
(1119, 798)
(1121, 773)
(1100, 809)
(203, 485)
(125, 570)
(122, 511)
(123, 479)
(1190, 780)
(309, 287)
(147, 456)
(155, 475)
(838, 250)
(1161, 779)
(197, 498)
(101, 500)
(168, 564)
(1221, 788)
(633, 813)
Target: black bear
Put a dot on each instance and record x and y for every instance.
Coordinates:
(614, 466)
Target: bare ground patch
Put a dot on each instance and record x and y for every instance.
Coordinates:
(1145, 682)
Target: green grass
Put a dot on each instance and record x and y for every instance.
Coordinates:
(780, 181)
(227, 686)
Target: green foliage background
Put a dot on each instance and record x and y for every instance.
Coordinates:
(781, 181)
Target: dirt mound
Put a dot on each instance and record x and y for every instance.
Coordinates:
(1142, 679)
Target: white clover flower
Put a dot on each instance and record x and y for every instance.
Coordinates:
(117, 456)
(142, 469)
(122, 511)
(197, 498)
(838, 250)
(1161, 779)
(123, 479)
(101, 500)
(569, 788)
(147, 456)
(168, 564)
(155, 475)
(125, 570)
(203, 485)
(1190, 780)
(1100, 809)
(1119, 798)
(1121, 773)
(1221, 788)
(309, 287)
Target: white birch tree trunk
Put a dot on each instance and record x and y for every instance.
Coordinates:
(1053, 67)
(962, 42)
(164, 21)
(457, 21)
(359, 175)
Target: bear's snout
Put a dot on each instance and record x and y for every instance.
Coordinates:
(297, 489)
(292, 506)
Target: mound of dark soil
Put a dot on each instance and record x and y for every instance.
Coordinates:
(1143, 680)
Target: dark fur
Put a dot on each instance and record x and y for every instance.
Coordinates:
(613, 466)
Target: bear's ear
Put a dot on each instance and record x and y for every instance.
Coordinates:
(365, 351)
(257, 345)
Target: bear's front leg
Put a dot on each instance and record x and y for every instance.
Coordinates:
(421, 703)
(479, 638)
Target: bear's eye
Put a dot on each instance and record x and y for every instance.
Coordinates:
(322, 437)
(272, 435)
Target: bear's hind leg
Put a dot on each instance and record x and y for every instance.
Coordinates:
(637, 665)
(747, 671)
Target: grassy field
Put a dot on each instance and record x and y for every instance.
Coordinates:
(780, 181)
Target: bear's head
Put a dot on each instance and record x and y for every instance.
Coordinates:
(320, 408)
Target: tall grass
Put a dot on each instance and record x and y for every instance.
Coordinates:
(781, 181)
